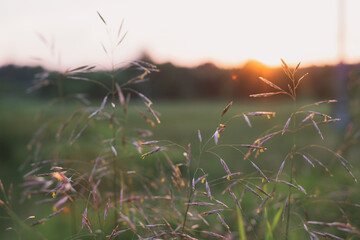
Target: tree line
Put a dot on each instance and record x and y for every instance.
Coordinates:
(206, 81)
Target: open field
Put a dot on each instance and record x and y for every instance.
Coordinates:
(180, 122)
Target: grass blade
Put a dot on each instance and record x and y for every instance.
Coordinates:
(226, 109)
(102, 19)
(241, 225)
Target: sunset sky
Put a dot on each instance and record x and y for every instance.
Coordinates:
(187, 32)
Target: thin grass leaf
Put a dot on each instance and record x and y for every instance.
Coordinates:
(221, 203)
(348, 170)
(307, 160)
(120, 28)
(261, 190)
(202, 178)
(87, 223)
(269, 232)
(65, 124)
(204, 220)
(183, 235)
(286, 125)
(60, 202)
(267, 94)
(83, 220)
(100, 108)
(301, 78)
(113, 233)
(318, 103)
(151, 152)
(216, 136)
(211, 212)
(113, 150)
(215, 235)
(121, 97)
(318, 130)
(311, 115)
(223, 222)
(208, 189)
(104, 48)
(339, 157)
(247, 120)
(79, 134)
(129, 222)
(331, 224)
(287, 183)
(232, 175)
(106, 209)
(93, 169)
(286, 69)
(276, 218)
(229, 187)
(199, 136)
(253, 191)
(102, 19)
(321, 114)
(188, 159)
(121, 198)
(241, 224)
(200, 204)
(326, 101)
(122, 39)
(271, 84)
(284, 63)
(2, 187)
(262, 140)
(154, 114)
(227, 170)
(280, 170)
(78, 68)
(43, 220)
(301, 189)
(323, 167)
(313, 236)
(235, 198)
(148, 120)
(149, 143)
(327, 235)
(226, 109)
(252, 146)
(261, 113)
(25, 176)
(258, 169)
(147, 100)
(89, 80)
(285, 209)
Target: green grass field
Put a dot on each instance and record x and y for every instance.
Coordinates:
(180, 122)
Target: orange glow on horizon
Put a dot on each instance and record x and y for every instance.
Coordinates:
(241, 31)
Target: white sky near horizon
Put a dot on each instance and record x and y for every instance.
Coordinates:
(188, 32)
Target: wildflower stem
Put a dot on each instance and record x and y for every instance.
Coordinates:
(189, 195)
(289, 203)
(114, 144)
(293, 150)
